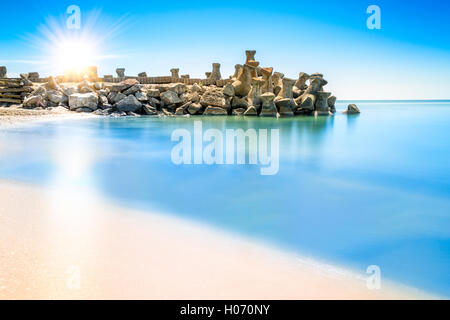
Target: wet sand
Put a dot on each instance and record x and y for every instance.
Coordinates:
(70, 244)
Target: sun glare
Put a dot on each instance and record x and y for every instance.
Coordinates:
(75, 55)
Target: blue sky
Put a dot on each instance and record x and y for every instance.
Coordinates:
(409, 58)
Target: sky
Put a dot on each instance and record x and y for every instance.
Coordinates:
(408, 58)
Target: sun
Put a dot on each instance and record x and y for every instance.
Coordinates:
(75, 55)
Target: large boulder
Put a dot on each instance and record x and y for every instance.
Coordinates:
(123, 85)
(128, 104)
(213, 97)
(132, 90)
(83, 100)
(178, 88)
(141, 96)
(116, 97)
(56, 97)
(170, 97)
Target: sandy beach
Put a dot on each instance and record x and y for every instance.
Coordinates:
(69, 244)
(15, 116)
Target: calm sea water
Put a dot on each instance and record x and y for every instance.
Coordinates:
(370, 189)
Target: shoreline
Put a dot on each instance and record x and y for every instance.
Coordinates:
(13, 117)
(47, 234)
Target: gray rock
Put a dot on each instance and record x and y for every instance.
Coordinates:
(213, 97)
(141, 96)
(178, 88)
(56, 97)
(104, 100)
(106, 106)
(103, 92)
(153, 93)
(83, 100)
(142, 75)
(196, 88)
(170, 97)
(124, 85)
(34, 102)
(352, 109)
(40, 91)
(69, 90)
(130, 103)
(132, 90)
(228, 90)
(215, 111)
(116, 97)
(194, 108)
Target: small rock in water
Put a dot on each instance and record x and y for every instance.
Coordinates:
(352, 109)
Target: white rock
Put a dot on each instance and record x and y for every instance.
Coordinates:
(83, 100)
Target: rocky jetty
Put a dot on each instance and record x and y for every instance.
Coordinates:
(251, 91)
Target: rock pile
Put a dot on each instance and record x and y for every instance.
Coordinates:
(251, 91)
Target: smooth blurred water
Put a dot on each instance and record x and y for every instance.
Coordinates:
(369, 189)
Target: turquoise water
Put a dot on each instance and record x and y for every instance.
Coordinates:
(370, 189)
